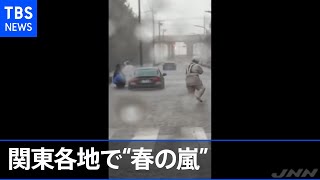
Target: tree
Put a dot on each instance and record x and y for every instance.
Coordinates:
(124, 44)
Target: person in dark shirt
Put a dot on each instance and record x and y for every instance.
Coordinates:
(118, 77)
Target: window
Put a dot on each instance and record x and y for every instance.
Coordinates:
(146, 72)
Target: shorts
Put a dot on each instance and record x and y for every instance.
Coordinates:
(192, 89)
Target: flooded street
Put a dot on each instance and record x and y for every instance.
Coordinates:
(161, 114)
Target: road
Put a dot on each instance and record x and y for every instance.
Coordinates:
(161, 114)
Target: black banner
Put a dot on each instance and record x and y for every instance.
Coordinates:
(161, 159)
(264, 86)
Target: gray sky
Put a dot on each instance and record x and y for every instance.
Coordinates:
(179, 16)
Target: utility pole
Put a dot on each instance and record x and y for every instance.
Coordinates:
(153, 37)
(140, 41)
(168, 53)
(160, 44)
(210, 20)
(160, 24)
(208, 52)
(204, 25)
(163, 31)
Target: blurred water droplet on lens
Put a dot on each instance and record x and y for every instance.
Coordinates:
(130, 110)
(143, 33)
(131, 114)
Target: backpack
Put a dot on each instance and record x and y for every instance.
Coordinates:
(189, 68)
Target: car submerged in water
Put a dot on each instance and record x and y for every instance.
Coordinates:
(147, 77)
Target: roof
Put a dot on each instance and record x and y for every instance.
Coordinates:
(142, 68)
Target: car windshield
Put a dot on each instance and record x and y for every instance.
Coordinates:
(146, 72)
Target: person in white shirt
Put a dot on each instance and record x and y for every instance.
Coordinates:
(128, 70)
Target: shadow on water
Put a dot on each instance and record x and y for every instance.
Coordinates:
(119, 88)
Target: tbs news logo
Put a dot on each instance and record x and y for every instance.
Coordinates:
(18, 14)
(18, 18)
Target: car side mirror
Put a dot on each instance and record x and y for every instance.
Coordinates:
(164, 74)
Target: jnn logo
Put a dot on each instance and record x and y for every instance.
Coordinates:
(292, 173)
